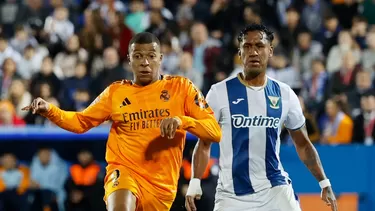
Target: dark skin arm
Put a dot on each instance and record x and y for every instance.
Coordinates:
(309, 156)
(201, 156)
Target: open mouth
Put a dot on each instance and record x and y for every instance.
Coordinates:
(145, 72)
(254, 62)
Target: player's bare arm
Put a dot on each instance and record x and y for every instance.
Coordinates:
(201, 156)
(310, 157)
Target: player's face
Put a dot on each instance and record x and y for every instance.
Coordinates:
(255, 50)
(145, 61)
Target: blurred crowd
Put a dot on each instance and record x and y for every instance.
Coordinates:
(48, 183)
(68, 51)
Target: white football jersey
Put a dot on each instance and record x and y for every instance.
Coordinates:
(251, 120)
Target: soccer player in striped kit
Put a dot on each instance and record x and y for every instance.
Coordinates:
(252, 109)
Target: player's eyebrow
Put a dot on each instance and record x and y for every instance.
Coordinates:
(144, 51)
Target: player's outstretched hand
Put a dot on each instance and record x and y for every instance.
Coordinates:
(38, 105)
(329, 198)
(194, 192)
(168, 127)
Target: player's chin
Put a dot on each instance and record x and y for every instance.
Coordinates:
(144, 80)
(254, 70)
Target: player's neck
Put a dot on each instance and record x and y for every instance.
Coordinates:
(139, 83)
(254, 80)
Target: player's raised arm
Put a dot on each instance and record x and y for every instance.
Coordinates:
(201, 156)
(295, 123)
(77, 122)
(199, 119)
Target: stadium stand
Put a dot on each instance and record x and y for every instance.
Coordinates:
(68, 51)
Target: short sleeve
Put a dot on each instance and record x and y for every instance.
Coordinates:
(213, 102)
(295, 118)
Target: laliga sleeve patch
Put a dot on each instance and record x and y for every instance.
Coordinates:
(200, 101)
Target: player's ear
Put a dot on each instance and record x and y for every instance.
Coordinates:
(271, 50)
(239, 52)
(161, 57)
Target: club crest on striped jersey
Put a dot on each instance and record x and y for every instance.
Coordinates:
(274, 102)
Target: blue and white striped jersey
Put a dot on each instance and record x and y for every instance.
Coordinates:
(251, 120)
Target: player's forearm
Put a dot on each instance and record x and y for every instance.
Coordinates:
(205, 129)
(310, 158)
(201, 156)
(67, 120)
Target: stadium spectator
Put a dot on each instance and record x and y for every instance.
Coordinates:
(326, 48)
(329, 32)
(80, 81)
(171, 60)
(6, 51)
(31, 61)
(363, 84)
(311, 127)
(312, 12)
(48, 175)
(363, 130)
(368, 56)
(336, 54)
(85, 185)
(68, 59)
(161, 27)
(14, 183)
(315, 87)
(338, 127)
(281, 69)
(22, 39)
(113, 71)
(186, 69)
(46, 75)
(137, 19)
(119, 33)
(19, 96)
(305, 52)
(343, 80)
(58, 27)
(359, 30)
(93, 36)
(8, 116)
(204, 50)
(7, 75)
(289, 32)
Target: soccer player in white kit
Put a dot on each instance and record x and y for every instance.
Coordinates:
(252, 109)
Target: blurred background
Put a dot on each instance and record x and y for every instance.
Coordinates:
(68, 51)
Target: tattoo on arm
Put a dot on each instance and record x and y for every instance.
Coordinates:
(308, 153)
(312, 162)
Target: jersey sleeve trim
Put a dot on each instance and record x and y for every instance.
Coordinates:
(297, 128)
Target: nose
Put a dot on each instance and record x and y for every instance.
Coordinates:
(253, 52)
(145, 63)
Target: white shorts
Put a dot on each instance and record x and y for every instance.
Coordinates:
(279, 198)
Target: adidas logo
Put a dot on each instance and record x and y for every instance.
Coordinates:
(125, 102)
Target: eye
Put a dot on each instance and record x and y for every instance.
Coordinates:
(152, 56)
(137, 56)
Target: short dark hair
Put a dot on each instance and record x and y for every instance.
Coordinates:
(143, 38)
(256, 27)
(330, 16)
